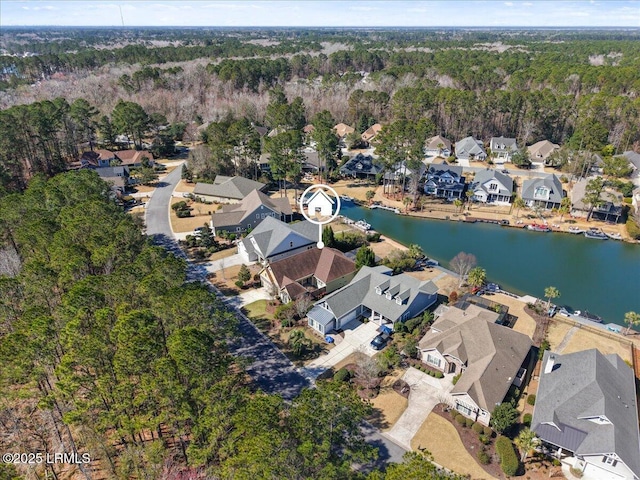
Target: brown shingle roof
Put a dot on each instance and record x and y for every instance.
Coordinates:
(133, 157)
(342, 130)
(371, 132)
(325, 264)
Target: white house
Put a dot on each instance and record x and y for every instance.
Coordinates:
(586, 414)
(502, 148)
(274, 240)
(320, 204)
(491, 186)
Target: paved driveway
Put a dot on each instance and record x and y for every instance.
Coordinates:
(425, 394)
(357, 337)
(226, 262)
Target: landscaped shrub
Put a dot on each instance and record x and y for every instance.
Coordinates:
(483, 457)
(508, 458)
(183, 213)
(342, 375)
(453, 297)
(239, 283)
(633, 229)
(526, 419)
(456, 378)
(468, 422)
(461, 419)
(478, 428)
(179, 206)
(531, 399)
(484, 439)
(487, 431)
(439, 375)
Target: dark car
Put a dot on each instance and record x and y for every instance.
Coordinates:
(380, 341)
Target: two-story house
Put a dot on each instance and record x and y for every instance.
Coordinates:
(545, 193)
(470, 148)
(444, 181)
(502, 148)
(491, 186)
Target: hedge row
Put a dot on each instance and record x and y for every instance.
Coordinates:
(508, 458)
(429, 372)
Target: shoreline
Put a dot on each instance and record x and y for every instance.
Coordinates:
(466, 218)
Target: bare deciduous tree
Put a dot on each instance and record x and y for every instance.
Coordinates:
(302, 305)
(462, 265)
(367, 369)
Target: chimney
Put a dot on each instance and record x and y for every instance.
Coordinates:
(551, 361)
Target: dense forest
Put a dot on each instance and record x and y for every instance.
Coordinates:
(570, 87)
(106, 350)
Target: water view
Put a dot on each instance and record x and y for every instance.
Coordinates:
(602, 277)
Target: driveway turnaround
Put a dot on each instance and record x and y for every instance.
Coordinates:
(357, 338)
(426, 392)
(226, 262)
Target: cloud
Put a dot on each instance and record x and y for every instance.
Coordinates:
(509, 4)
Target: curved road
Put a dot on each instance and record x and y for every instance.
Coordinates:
(272, 371)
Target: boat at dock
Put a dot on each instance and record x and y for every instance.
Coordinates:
(586, 316)
(575, 230)
(613, 236)
(538, 227)
(346, 198)
(362, 225)
(595, 234)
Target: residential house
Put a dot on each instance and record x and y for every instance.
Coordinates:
(371, 132)
(444, 181)
(227, 189)
(311, 161)
(342, 130)
(609, 210)
(470, 149)
(634, 160)
(437, 146)
(117, 177)
(97, 159)
(308, 129)
(361, 166)
(274, 240)
(374, 294)
(314, 272)
(492, 186)
(249, 212)
(540, 151)
(488, 357)
(545, 192)
(262, 131)
(134, 158)
(502, 148)
(319, 203)
(400, 170)
(586, 414)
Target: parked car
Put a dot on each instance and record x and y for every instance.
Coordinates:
(380, 341)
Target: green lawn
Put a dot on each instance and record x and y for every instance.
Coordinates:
(257, 312)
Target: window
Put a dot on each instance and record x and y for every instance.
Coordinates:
(541, 192)
(433, 360)
(609, 460)
(290, 244)
(257, 215)
(464, 409)
(493, 186)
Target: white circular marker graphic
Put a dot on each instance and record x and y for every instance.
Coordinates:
(322, 203)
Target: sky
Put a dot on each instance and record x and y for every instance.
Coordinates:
(336, 13)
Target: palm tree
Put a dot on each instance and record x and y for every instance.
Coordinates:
(550, 293)
(369, 195)
(298, 342)
(565, 207)
(632, 319)
(518, 203)
(458, 203)
(477, 277)
(406, 201)
(469, 194)
(527, 441)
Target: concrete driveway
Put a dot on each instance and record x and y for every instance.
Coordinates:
(226, 262)
(425, 393)
(357, 337)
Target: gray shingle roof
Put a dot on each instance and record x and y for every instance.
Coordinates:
(228, 187)
(362, 291)
(321, 315)
(361, 164)
(551, 182)
(633, 157)
(270, 234)
(503, 144)
(433, 142)
(583, 385)
(484, 176)
(469, 146)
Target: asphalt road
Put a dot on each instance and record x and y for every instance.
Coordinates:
(269, 368)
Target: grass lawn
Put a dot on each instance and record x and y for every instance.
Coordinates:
(440, 438)
(257, 312)
(199, 217)
(227, 252)
(556, 332)
(183, 186)
(585, 340)
(388, 406)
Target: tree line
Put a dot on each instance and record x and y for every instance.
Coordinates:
(107, 350)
